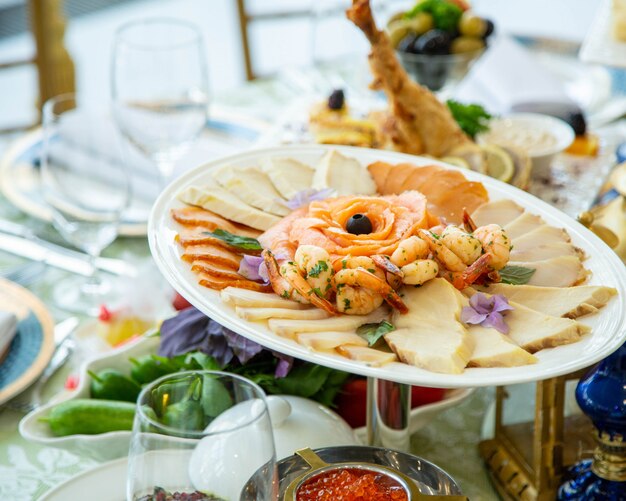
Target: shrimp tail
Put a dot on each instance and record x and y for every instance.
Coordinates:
(468, 222)
(386, 265)
(473, 272)
(273, 270)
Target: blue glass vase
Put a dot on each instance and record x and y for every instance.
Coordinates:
(601, 394)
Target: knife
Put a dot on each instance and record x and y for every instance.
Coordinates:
(58, 256)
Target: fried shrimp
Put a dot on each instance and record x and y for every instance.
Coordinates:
(420, 271)
(496, 243)
(467, 247)
(409, 250)
(314, 264)
(361, 277)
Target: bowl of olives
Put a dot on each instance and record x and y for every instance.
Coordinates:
(437, 41)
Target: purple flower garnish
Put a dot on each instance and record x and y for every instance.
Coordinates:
(487, 311)
(306, 196)
(192, 330)
(253, 268)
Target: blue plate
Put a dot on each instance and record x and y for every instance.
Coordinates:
(31, 348)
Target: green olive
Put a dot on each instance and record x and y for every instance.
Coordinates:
(466, 44)
(397, 31)
(421, 23)
(395, 17)
(471, 25)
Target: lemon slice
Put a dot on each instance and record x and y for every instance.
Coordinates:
(499, 162)
(457, 161)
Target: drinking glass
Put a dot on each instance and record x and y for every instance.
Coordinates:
(86, 186)
(203, 433)
(159, 88)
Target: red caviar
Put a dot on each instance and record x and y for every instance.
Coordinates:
(351, 484)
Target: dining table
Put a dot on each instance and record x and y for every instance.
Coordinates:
(241, 118)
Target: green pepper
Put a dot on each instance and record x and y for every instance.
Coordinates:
(150, 367)
(110, 384)
(215, 397)
(175, 391)
(187, 416)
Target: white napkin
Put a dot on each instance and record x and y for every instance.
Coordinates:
(507, 75)
(8, 329)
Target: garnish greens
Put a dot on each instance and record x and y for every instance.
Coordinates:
(246, 243)
(472, 118)
(318, 268)
(516, 275)
(446, 15)
(373, 332)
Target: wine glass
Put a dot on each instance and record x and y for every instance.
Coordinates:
(207, 434)
(159, 88)
(85, 183)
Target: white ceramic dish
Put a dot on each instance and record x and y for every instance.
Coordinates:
(541, 157)
(307, 424)
(608, 326)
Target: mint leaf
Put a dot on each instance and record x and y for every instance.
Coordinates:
(516, 275)
(246, 243)
(373, 332)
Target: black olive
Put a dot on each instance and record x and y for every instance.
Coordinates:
(336, 100)
(359, 224)
(433, 43)
(577, 121)
(489, 28)
(407, 44)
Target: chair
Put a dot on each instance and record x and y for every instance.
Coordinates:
(55, 69)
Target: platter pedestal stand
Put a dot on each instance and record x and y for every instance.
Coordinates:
(388, 412)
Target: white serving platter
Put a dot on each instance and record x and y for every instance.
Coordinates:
(608, 326)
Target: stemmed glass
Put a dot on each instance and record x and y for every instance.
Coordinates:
(85, 183)
(159, 88)
(206, 434)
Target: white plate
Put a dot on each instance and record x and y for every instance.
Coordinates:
(20, 177)
(609, 329)
(599, 45)
(106, 482)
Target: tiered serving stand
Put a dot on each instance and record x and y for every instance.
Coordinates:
(389, 385)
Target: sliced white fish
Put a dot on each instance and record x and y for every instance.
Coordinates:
(534, 331)
(562, 271)
(570, 302)
(345, 175)
(223, 202)
(288, 175)
(289, 328)
(254, 314)
(544, 251)
(430, 335)
(369, 356)
(493, 349)
(542, 235)
(523, 224)
(252, 186)
(499, 212)
(329, 340)
(253, 299)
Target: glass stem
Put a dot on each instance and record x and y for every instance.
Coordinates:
(93, 282)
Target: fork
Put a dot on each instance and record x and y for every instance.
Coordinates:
(24, 274)
(64, 349)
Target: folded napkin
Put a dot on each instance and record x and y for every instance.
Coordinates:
(507, 76)
(8, 329)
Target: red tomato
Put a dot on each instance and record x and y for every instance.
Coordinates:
(462, 4)
(180, 303)
(352, 400)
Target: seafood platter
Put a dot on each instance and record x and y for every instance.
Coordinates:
(389, 265)
(388, 262)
